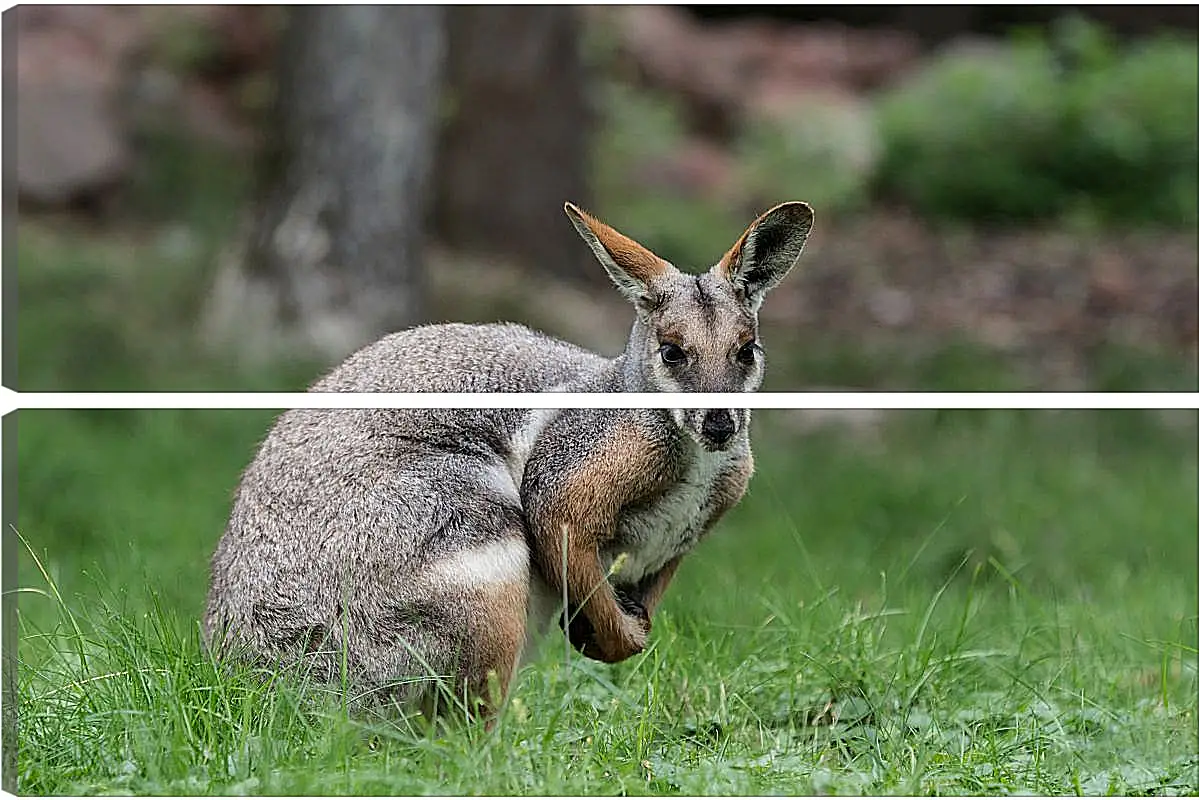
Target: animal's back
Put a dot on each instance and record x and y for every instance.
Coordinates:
(456, 357)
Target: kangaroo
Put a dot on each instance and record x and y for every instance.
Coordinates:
(399, 548)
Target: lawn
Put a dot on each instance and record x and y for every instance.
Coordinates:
(953, 603)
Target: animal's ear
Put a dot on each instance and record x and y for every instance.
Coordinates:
(766, 252)
(632, 267)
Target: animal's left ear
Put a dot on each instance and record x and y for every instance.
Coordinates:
(766, 252)
(630, 265)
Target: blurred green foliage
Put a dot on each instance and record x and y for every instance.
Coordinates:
(830, 148)
(1064, 125)
(646, 127)
(119, 306)
(124, 313)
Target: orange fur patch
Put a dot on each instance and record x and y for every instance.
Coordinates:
(653, 594)
(729, 261)
(498, 619)
(633, 257)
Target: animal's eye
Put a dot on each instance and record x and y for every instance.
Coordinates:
(672, 354)
(748, 353)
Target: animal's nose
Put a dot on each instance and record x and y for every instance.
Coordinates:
(719, 425)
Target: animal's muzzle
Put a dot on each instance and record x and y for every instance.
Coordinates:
(718, 426)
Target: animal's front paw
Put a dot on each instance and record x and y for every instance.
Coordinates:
(633, 607)
(630, 640)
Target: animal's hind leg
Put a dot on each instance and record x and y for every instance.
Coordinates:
(491, 582)
(498, 638)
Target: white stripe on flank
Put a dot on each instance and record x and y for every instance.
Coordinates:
(495, 563)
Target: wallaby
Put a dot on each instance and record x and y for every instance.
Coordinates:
(388, 547)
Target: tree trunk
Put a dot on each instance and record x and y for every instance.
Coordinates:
(335, 255)
(516, 144)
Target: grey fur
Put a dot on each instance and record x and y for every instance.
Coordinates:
(343, 525)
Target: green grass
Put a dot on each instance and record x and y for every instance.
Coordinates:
(960, 602)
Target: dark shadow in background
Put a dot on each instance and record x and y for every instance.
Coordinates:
(936, 24)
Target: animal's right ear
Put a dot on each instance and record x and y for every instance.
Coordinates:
(767, 251)
(631, 266)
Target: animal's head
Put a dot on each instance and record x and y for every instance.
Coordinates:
(699, 332)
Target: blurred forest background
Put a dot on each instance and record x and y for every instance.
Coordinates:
(235, 197)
